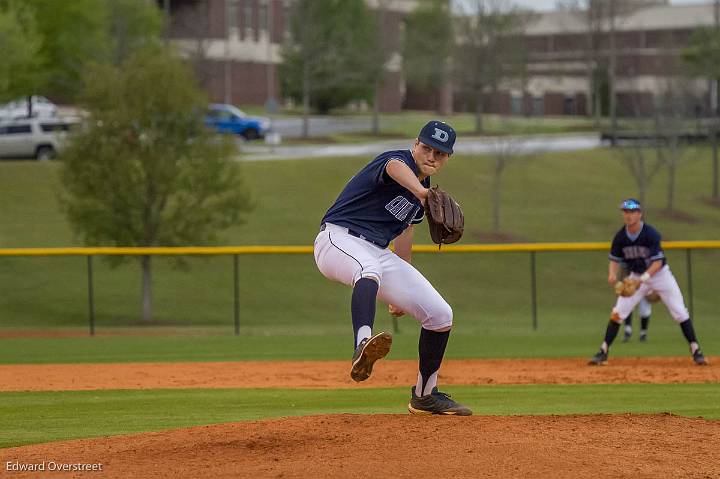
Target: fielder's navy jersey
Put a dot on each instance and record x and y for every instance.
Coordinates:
(639, 253)
(375, 206)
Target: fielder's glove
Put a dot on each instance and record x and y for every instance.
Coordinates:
(653, 297)
(627, 287)
(445, 217)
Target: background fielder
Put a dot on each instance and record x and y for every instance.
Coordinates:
(380, 204)
(637, 244)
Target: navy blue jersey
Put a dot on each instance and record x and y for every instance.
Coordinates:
(638, 253)
(374, 205)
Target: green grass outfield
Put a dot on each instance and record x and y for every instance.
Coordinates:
(555, 197)
(582, 341)
(52, 416)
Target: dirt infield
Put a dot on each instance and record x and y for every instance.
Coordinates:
(400, 446)
(383, 446)
(334, 374)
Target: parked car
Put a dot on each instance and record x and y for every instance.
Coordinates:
(224, 118)
(41, 107)
(40, 138)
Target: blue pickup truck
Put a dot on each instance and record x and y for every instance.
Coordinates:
(223, 118)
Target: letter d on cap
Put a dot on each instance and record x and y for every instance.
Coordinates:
(441, 135)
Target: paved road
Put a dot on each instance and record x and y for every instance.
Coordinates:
(320, 125)
(464, 146)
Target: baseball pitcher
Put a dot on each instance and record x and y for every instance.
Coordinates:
(379, 205)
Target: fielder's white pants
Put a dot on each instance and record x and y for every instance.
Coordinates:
(664, 284)
(644, 308)
(345, 258)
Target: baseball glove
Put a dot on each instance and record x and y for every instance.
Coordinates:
(445, 217)
(627, 287)
(653, 297)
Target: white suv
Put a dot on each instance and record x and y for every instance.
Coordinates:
(40, 138)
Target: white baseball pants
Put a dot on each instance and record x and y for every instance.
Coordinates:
(644, 308)
(664, 284)
(345, 258)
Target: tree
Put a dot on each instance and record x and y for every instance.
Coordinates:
(663, 136)
(503, 150)
(144, 171)
(490, 50)
(134, 25)
(383, 56)
(642, 168)
(324, 65)
(601, 19)
(20, 67)
(74, 35)
(82, 32)
(591, 14)
(703, 53)
(669, 121)
(428, 45)
(59, 39)
(703, 58)
(192, 19)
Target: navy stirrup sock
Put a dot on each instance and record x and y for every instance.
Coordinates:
(432, 349)
(363, 305)
(611, 332)
(688, 331)
(644, 323)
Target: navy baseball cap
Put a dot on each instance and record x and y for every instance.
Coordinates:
(630, 204)
(438, 135)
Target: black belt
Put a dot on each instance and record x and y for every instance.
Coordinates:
(357, 235)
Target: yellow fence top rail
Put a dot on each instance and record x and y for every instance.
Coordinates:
(231, 250)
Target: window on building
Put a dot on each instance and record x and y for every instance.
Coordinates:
(538, 106)
(287, 13)
(262, 16)
(516, 104)
(569, 106)
(247, 18)
(232, 13)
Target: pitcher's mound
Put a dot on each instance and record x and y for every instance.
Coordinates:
(406, 446)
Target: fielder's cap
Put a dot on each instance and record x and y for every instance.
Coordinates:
(630, 204)
(438, 135)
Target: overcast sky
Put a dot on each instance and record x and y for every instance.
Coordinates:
(550, 4)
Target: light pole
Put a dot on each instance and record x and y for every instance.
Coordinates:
(230, 14)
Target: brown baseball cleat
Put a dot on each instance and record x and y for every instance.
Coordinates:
(368, 351)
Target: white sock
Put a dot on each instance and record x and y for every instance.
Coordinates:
(363, 332)
(604, 347)
(429, 385)
(694, 347)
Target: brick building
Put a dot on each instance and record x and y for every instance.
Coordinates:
(562, 70)
(236, 45)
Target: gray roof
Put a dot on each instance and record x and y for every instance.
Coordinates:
(663, 17)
